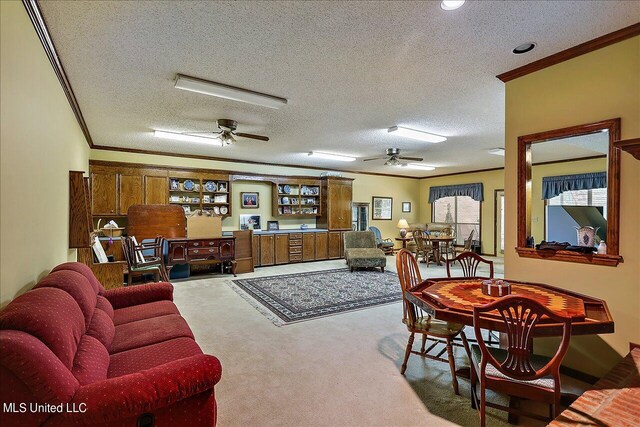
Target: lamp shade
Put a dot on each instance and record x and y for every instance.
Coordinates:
(402, 223)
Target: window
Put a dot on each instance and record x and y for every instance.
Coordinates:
(462, 212)
(594, 197)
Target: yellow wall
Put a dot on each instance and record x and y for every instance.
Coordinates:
(554, 169)
(491, 180)
(603, 84)
(364, 187)
(41, 142)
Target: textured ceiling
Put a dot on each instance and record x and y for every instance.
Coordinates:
(349, 69)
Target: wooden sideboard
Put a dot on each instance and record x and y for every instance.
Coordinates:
(202, 251)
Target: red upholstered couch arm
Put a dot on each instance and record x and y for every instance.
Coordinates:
(145, 391)
(139, 294)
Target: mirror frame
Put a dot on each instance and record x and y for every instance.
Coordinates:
(612, 257)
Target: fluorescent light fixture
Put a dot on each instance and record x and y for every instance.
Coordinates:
(183, 137)
(451, 4)
(330, 156)
(497, 151)
(416, 134)
(220, 90)
(420, 166)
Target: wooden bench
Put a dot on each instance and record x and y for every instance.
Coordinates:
(614, 399)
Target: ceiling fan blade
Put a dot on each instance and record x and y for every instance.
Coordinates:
(415, 159)
(201, 133)
(374, 158)
(252, 136)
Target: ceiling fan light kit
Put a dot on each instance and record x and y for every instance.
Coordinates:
(416, 134)
(220, 90)
(330, 156)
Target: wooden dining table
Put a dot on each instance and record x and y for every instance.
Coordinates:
(435, 241)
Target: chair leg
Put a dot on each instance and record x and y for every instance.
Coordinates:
(407, 353)
(514, 403)
(452, 365)
(129, 278)
(424, 343)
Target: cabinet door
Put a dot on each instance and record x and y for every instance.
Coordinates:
(282, 248)
(256, 250)
(334, 244)
(322, 245)
(104, 190)
(339, 206)
(130, 192)
(156, 190)
(309, 246)
(267, 250)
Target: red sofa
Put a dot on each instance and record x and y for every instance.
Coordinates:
(118, 357)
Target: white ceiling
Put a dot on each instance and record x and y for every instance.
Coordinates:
(349, 69)
(575, 147)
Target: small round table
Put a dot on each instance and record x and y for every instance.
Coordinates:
(404, 241)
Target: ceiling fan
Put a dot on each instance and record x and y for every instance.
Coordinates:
(227, 134)
(393, 158)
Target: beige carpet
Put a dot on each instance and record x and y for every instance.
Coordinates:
(342, 370)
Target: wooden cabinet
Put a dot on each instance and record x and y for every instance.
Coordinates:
(295, 247)
(308, 246)
(256, 250)
(336, 198)
(322, 246)
(282, 248)
(129, 192)
(335, 243)
(104, 193)
(267, 249)
(155, 190)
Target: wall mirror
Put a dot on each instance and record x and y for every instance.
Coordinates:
(568, 192)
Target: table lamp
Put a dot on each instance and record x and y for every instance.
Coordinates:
(403, 225)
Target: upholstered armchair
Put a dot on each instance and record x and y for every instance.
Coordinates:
(386, 245)
(361, 251)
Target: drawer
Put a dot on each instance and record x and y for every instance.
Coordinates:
(295, 236)
(295, 257)
(203, 243)
(295, 250)
(295, 242)
(203, 252)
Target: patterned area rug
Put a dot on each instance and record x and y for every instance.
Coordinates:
(296, 297)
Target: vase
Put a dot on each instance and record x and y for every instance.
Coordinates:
(587, 235)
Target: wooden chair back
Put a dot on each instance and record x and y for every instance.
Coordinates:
(128, 251)
(419, 238)
(469, 261)
(520, 316)
(409, 276)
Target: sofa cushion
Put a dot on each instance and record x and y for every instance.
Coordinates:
(149, 356)
(85, 270)
(102, 328)
(91, 362)
(76, 285)
(52, 316)
(149, 331)
(144, 311)
(104, 305)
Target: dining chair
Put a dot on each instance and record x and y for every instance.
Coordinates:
(145, 258)
(515, 371)
(448, 246)
(468, 242)
(424, 247)
(469, 261)
(418, 322)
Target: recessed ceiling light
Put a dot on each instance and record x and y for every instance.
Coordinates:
(416, 134)
(184, 137)
(193, 84)
(330, 156)
(451, 4)
(420, 166)
(524, 48)
(497, 151)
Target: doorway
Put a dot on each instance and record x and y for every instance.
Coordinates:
(498, 214)
(359, 216)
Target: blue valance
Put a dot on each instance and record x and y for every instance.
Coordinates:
(554, 185)
(475, 191)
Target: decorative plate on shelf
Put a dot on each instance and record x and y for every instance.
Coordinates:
(285, 200)
(188, 185)
(287, 189)
(216, 210)
(210, 186)
(224, 210)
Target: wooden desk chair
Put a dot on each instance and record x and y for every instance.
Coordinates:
(516, 371)
(469, 261)
(140, 263)
(418, 322)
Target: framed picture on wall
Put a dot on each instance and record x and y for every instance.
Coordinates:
(382, 207)
(250, 200)
(250, 222)
(406, 206)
